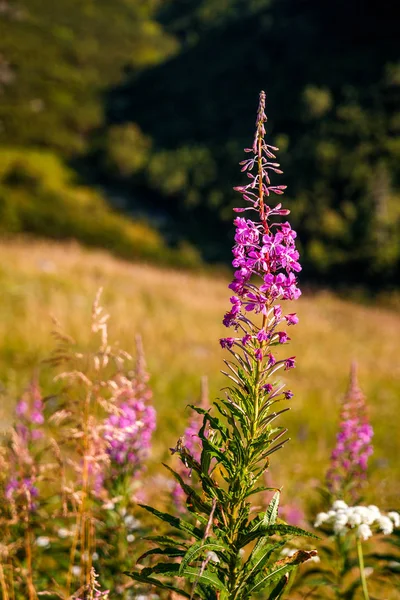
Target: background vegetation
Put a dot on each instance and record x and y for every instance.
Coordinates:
(150, 104)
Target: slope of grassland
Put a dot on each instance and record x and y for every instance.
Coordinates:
(179, 316)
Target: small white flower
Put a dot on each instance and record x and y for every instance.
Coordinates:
(212, 556)
(76, 570)
(368, 571)
(374, 509)
(95, 556)
(130, 538)
(364, 531)
(340, 522)
(109, 505)
(385, 525)
(395, 518)
(354, 518)
(367, 516)
(321, 518)
(339, 505)
(42, 541)
(63, 533)
(131, 522)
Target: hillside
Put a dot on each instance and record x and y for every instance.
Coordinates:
(179, 316)
(150, 104)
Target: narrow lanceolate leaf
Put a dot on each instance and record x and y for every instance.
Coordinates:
(280, 568)
(207, 576)
(165, 540)
(263, 548)
(191, 493)
(213, 421)
(281, 529)
(280, 588)
(170, 551)
(200, 548)
(257, 561)
(175, 522)
(157, 583)
(272, 510)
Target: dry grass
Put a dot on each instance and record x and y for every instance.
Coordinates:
(179, 316)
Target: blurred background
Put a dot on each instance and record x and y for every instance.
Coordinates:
(121, 128)
(145, 105)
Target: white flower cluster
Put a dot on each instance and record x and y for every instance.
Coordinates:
(362, 519)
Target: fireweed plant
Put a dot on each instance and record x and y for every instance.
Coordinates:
(228, 550)
(348, 524)
(349, 459)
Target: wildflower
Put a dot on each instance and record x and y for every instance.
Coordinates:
(290, 363)
(258, 354)
(264, 250)
(364, 520)
(238, 449)
(364, 531)
(292, 319)
(353, 443)
(128, 433)
(283, 337)
(395, 518)
(42, 541)
(226, 342)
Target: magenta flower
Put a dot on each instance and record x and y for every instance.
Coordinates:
(128, 434)
(349, 458)
(129, 431)
(22, 486)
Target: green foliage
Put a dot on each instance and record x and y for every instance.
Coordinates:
(336, 100)
(38, 195)
(138, 92)
(61, 56)
(236, 553)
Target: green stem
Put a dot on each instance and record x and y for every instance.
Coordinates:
(362, 570)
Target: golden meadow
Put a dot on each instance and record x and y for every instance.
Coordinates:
(179, 316)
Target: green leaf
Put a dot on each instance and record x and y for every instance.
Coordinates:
(191, 493)
(280, 588)
(175, 522)
(153, 581)
(207, 577)
(281, 567)
(200, 547)
(164, 539)
(170, 551)
(213, 451)
(258, 558)
(272, 510)
(280, 529)
(213, 421)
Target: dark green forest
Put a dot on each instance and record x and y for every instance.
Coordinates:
(143, 107)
